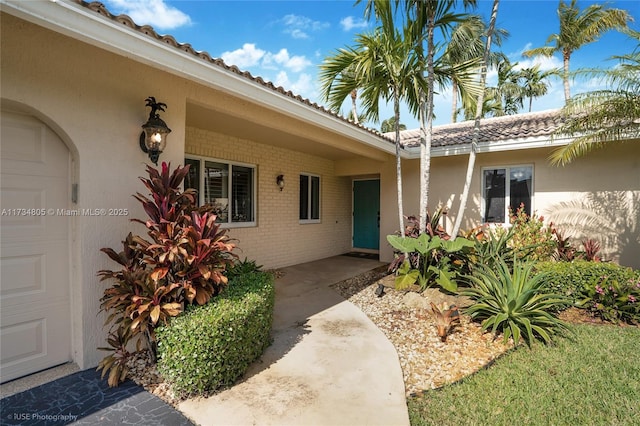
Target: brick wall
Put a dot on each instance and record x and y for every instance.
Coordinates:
(278, 239)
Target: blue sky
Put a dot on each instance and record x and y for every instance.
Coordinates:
(286, 41)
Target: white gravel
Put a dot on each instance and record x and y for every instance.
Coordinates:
(426, 361)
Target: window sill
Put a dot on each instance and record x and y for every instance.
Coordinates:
(309, 222)
(238, 225)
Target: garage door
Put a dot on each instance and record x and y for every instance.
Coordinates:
(35, 322)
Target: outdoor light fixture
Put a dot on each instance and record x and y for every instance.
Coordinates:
(380, 290)
(153, 139)
(280, 182)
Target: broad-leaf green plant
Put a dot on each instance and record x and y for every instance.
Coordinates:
(434, 261)
(514, 302)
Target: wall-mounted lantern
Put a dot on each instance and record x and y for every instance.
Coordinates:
(280, 182)
(153, 138)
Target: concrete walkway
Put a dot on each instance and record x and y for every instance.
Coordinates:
(328, 364)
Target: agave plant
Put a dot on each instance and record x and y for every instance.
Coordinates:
(514, 303)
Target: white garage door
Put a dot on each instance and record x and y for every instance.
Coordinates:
(35, 320)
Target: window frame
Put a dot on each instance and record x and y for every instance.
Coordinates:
(310, 198)
(254, 182)
(507, 195)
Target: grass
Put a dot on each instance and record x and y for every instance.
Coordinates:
(592, 378)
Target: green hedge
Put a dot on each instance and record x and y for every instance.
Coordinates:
(605, 290)
(574, 279)
(211, 346)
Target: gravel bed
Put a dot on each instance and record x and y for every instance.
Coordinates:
(406, 319)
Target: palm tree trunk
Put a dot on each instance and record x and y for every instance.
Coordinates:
(565, 76)
(427, 131)
(530, 102)
(476, 125)
(354, 111)
(454, 102)
(396, 114)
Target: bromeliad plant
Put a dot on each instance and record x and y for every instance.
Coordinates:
(447, 317)
(613, 298)
(514, 303)
(182, 262)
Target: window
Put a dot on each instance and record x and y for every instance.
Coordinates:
(228, 187)
(309, 198)
(499, 193)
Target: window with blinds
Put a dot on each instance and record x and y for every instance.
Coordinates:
(228, 187)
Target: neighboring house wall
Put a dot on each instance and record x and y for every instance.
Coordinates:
(279, 239)
(606, 183)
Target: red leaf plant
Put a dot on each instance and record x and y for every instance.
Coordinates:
(182, 262)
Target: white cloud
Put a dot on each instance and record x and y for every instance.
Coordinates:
(299, 27)
(545, 62)
(350, 23)
(295, 63)
(299, 34)
(248, 56)
(156, 13)
(303, 86)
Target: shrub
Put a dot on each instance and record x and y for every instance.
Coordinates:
(531, 238)
(613, 300)
(606, 290)
(513, 303)
(211, 346)
(183, 263)
(573, 279)
(491, 245)
(243, 267)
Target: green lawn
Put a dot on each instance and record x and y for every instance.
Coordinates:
(592, 378)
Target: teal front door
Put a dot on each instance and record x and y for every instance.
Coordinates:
(366, 214)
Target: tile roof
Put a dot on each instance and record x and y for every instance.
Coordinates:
(491, 130)
(148, 30)
(495, 129)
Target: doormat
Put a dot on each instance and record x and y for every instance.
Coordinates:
(361, 255)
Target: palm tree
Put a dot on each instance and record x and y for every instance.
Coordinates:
(532, 82)
(389, 124)
(508, 92)
(476, 125)
(466, 46)
(424, 17)
(604, 116)
(491, 106)
(578, 28)
(383, 66)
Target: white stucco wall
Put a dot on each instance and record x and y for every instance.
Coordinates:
(95, 102)
(606, 182)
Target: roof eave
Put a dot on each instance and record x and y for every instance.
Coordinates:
(88, 26)
(493, 146)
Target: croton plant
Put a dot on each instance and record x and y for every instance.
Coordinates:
(182, 261)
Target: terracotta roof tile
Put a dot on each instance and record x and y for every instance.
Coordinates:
(495, 129)
(170, 40)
